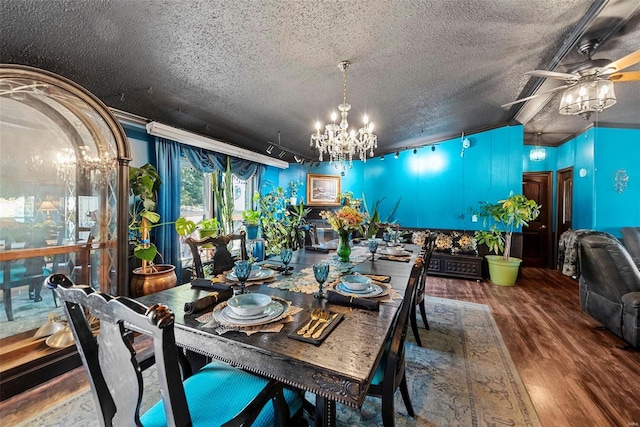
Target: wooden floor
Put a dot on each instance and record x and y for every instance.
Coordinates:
(576, 375)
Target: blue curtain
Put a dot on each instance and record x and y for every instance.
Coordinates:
(168, 165)
(208, 161)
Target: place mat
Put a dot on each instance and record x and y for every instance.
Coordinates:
(274, 325)
(212, 299)
(395, 258)
(334, 319)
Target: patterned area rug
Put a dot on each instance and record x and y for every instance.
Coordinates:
(463, 376)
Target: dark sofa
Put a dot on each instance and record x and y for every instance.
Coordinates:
(610, 286)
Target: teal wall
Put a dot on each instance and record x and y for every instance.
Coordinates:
(616, 149)
(439, 189)
(436, 189)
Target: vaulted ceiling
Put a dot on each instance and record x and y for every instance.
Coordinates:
(254, 72)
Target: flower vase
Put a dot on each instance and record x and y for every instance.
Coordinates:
(344, 250)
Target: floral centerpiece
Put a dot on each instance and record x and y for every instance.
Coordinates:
(345, 220)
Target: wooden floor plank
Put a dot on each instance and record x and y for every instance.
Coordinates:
(574, 373)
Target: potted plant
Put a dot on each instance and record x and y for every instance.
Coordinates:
(293, 188)
(206, 227)
(149, 277)
(223, 191)
(251, 223)
(503, 218)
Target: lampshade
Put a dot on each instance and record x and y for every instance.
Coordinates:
(47, 206)
(588, 96)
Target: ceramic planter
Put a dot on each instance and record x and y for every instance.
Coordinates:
(501, 272)
(149, 283)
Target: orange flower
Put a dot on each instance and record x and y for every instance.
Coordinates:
(345, 219)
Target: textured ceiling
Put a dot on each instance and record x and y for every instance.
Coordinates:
(243, 71)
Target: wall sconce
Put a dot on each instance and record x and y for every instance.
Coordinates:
(621, 180)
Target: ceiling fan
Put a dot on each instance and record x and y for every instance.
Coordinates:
(589, 84)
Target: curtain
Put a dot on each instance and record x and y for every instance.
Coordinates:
(168, 202)
(208, 162)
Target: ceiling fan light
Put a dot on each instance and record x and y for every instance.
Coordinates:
(587, 97)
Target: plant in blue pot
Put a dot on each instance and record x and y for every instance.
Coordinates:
(251, 223)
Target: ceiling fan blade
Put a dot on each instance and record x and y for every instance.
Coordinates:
(535, 96)
(627, 76)
(622, 63)
(552, 75)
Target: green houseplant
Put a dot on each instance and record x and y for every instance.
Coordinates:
(223, 192)
(149, 277)
(251, 222)
(503, 218)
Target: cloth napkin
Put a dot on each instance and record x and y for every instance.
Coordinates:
(316, 249)
(395, 258)
(275, 267)
(352, 301)
(378, 278)
(212, 299)
(213, 284)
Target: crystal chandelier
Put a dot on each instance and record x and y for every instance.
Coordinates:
(593, 95)
(338, 141)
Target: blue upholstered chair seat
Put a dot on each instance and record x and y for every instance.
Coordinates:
(228, 391)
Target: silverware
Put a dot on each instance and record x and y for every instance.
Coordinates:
(321, 330)
(324, 316)
(315, 315)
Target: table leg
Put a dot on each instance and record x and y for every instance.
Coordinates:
(325, 415)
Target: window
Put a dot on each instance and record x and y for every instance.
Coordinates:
(197, 200)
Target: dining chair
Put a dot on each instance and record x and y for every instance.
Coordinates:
(390, 373)
(116, 380)
(222, 258)
(426, 252)
(307, 235)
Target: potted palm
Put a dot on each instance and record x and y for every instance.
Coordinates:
(503, 218)
(149, 277)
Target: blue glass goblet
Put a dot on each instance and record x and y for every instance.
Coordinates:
(242, 271)
(321, 273)
(286, 254)
(372, 244)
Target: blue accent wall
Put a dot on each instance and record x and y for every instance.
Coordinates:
(616, 149)
(141, 144)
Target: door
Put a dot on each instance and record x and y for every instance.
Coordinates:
(536, 238)
(564, 195)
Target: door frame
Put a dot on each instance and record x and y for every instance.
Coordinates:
(549, 202)
(556, 232)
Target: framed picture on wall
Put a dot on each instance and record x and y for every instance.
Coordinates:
(323, 190)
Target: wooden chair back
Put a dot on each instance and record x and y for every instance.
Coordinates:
(307, 235)
(222, 258)
(114, 373)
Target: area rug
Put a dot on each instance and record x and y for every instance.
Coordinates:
(463, 376)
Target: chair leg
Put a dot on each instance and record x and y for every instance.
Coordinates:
(414, 326)
(423, 312)
(404, 390)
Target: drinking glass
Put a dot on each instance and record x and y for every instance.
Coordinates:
(321, 272)
(373, 247)
(242, 270)
(286, 254)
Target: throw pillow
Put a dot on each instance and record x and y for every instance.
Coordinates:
(418, 237)
(444, 242)
(464, 243)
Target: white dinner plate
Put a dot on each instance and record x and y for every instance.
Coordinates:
(372, 291)
(276, 309)
(258, 274)
(385, 251)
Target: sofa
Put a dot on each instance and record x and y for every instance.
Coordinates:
(455, 254)
(610, 286)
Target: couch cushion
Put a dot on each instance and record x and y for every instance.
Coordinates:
(464, 243)
(444, 242)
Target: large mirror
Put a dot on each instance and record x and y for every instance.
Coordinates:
(63, 202)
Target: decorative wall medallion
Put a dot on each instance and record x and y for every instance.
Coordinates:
(621, 180)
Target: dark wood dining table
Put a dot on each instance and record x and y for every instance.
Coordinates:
(340, 369)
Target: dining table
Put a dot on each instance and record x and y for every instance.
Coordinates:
(341, 367)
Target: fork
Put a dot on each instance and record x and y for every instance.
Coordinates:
(324, 316)
(315, 315)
